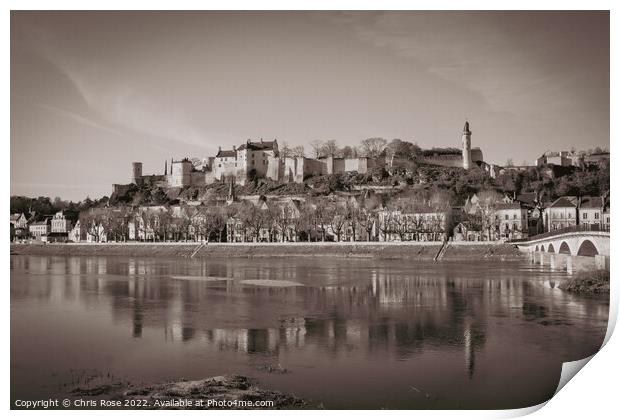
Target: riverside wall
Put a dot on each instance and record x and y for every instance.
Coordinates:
(423, 251)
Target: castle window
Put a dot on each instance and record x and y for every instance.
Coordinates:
(596, 215)
(585, 216)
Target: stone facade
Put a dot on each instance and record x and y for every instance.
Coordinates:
(60, 224)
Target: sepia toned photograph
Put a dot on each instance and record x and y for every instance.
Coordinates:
(302, 210)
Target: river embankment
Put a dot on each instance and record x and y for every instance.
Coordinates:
(422, 251)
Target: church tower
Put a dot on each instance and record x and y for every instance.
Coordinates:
(466, 140)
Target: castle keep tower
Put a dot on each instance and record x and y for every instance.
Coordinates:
(466, 140)
(136, 175)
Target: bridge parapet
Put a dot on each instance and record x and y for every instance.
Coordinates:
(570, 229)
(578, 242)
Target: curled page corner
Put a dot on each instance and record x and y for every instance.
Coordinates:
(570, 369)
(612, 317)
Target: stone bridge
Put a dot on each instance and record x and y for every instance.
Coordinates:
(581, 243)
(578, 247)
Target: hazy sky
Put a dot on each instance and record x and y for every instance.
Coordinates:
(93, 91)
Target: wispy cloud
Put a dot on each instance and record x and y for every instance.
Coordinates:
(470, 50)
(77, 118)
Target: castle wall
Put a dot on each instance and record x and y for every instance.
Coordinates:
(121, 189)
(181, 173)
(154, 180)
(313, 167)
(448, 161)
(275, 169)
(476, 155)
(355, 165)
(197, 179)
(224, 167)
(298, 168)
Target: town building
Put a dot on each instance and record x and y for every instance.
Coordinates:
(19, 226)
(591, 211)
(40, 229)
(19, 221)
(75, 234)
(60, 224)
(562, 213)
(511, 221)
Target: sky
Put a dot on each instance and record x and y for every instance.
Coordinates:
(92, 92)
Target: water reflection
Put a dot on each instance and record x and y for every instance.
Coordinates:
(365, 310)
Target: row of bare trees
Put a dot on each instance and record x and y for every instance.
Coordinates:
(371, 147)
(317, 219)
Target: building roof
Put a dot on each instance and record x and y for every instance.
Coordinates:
(15, 217)
(591, 203)
(565, 201)
(508, 206)
(527, 198)
(41, 223)
(226, 153)
(258, 145)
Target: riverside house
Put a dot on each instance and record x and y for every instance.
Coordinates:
(39, 230)
(562, 213)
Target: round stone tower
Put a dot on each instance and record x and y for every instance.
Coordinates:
(466, 139)
(136, 176)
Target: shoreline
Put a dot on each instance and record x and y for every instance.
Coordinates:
(421, 251)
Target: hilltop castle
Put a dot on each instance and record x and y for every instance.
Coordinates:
(261, 159)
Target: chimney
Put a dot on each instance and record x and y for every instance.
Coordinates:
(234, 148)
(261, 140)
(219, 149)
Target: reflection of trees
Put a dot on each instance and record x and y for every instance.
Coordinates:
(378, 310)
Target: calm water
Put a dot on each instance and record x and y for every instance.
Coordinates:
(354, 334)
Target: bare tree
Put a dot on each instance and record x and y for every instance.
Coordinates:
(253, 219)
(372, 147)
(353, 214)
(330, 148)
(337, 219)
(282, 217)
(322, 215)
(317, 148)
(488, 200)
(366, 219)
(298, 151)
(385, 223)
(285, 151)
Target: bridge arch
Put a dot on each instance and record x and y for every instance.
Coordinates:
(564, 248)
(550, 249)
(536, 248)
(587, 249)
(542, 248)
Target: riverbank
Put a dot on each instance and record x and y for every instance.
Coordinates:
(588, 282)
(219, 392)
(422, 251)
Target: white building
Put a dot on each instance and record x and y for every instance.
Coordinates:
(39, 229)
(60, 224)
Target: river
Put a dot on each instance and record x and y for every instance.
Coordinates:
(347, 333)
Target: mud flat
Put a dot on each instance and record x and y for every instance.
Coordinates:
(588, 282)
(219, 392)
(422, 251)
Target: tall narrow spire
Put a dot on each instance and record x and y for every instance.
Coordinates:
(166, 168)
